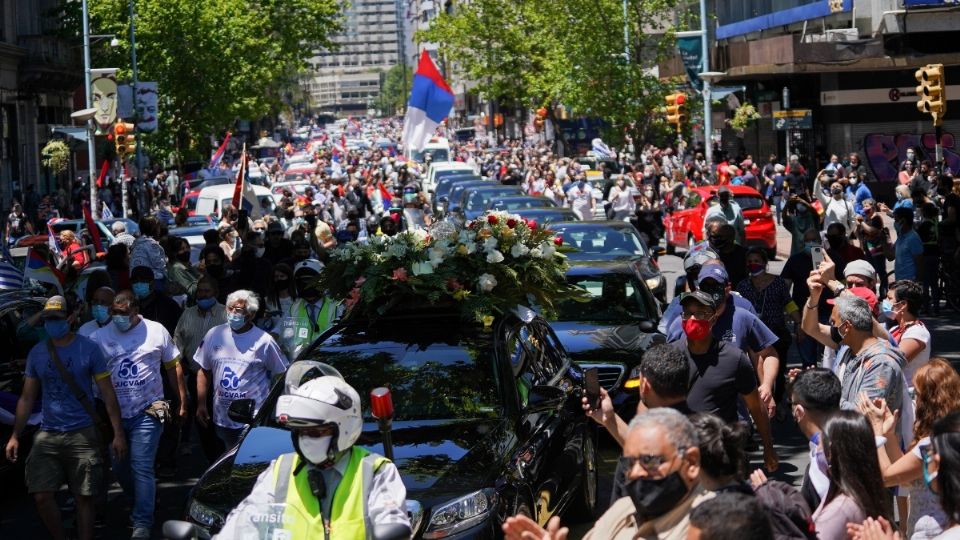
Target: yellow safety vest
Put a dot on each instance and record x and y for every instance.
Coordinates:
(325, 318)
(349, 516)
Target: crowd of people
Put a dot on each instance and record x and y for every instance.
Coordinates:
(168, 338)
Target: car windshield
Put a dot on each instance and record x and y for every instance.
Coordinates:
(518, 204)
(594, 243)
(612, 298)
(481, 198)
(191, 202)
(427, 382)
(746, 201)
(436, 154)
(457, 192)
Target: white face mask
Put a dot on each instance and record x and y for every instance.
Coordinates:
(314, 449)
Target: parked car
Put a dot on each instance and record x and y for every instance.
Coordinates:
(611, 330)
(522, 202)
(548, 215)
(189, 202)
(684, 224)
(613, 241)
(79, 227)
(488, 424)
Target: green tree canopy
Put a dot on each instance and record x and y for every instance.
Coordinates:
(393, 92)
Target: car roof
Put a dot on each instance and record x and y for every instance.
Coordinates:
(491, 188)
(521, 198)
(593, 225)
(736, 190)
(221, 191)
(546, 211)
(600, 267)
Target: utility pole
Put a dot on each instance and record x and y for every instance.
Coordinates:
(786, 107)
(141, 200)
(91, 142)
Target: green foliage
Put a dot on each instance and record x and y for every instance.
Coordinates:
(393, 92)
(56, 156)
(533, 52)
(744, 117)
(216, 61)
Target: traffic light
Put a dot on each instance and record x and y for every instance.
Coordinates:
(932, 92)
(677, 109)
(124, 138)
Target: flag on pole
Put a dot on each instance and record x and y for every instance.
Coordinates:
(103, 173)
(218, 155)
(52, 241)
(335, 169)
(38, 268)
(10, 276)
(92, 229)
(243, 196)
(343, 141)
(430, 102)
(385, 196)
(105, 212)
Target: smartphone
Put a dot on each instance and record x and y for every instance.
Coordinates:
(816, 253)
(592, 384)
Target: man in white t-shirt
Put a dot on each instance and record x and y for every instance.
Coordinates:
(581, 199)
(239, 360)
(139, 352)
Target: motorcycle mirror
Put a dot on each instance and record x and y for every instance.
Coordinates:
(182, 530)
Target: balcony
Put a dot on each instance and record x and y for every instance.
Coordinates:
(50, 64)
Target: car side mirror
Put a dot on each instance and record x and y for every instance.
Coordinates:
(241, 411)
(647, 326)
(544, 398)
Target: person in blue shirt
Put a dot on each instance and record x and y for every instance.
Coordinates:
(857, 192)
(739, 327)
(907, 253)
(67, 447)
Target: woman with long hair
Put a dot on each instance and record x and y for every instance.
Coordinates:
(937, 388)
(856, 489)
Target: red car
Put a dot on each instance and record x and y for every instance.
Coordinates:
(683, 224)
(189, 201)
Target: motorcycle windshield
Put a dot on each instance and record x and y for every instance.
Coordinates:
(270, 522)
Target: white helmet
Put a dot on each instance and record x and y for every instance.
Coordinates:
(324, 401)
(308, 265)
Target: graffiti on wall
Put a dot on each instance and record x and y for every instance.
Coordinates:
(886, 152)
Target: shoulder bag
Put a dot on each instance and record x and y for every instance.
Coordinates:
(104, 429)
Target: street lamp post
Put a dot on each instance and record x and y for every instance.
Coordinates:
(91, 149)
(141, 200)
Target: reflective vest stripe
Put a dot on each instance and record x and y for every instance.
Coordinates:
(282, 482)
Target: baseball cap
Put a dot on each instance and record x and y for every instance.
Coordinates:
(860, 267)
(56, 306)
(715, 272)
(698, 255)
(698, 296)
(864, 293)
(274, 226)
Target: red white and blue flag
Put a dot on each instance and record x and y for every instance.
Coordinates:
(218, 155)
(430, 102)
(243, 196)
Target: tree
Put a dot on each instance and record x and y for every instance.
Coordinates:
(215, 61)
(547, 53)
(393, 92)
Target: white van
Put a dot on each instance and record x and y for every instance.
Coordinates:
(438, 148)
(212, 199)
(438, 170)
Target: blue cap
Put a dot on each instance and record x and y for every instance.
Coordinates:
(715, 272)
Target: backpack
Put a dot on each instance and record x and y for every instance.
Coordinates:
(790, 517)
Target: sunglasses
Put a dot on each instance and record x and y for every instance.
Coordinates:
(650, 462)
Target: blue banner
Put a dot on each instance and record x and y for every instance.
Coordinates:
(691, 52)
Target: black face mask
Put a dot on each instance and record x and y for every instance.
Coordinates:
(654, 498)
(215, 270)
(281, 284)
(835, 334)
(184, 257)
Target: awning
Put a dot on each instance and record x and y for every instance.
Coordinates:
(79, 133)
(719, 92)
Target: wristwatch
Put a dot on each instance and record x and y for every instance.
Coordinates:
(836, 287)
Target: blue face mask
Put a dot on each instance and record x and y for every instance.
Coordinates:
(122, 322)
(810, 245)
(141, 290)
(236, 321)
(886, 307)
(56, 328)
(206, 303)
(100, 313)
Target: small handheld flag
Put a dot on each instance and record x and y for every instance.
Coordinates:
(430, 102)
(38, 268)
(243, 196)
(218, 155)
(10, 276)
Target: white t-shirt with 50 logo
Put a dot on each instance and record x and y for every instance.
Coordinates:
(241, 366)
(136, 359)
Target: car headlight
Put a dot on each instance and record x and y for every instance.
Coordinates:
(461, 513)
(653, 282)
(204, 515)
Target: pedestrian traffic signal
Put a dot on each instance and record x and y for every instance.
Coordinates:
(932, 92)
(677, 109)
(124, 138)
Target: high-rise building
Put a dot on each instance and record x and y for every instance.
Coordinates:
(347, 80)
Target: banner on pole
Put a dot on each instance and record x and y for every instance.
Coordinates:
(691, 52)
(145, 102)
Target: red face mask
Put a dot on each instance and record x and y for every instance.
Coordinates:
(696, 329)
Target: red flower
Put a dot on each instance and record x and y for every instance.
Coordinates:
(558, 240)
(400, 274)
(511, 223)
(470, 226)
(454, 285)
(532, 224)
(492, 219)
(353, 298)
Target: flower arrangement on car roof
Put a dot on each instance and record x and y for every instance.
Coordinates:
(483, 269)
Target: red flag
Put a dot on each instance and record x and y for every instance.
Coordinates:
(103, 173)
(385, 196)
(92, 228)
(343, 141)
(241, 178)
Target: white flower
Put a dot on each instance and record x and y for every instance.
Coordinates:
(547, 249)
(494, 257)
(519, 250)
(489, 244)
(420, 235)
(487, 282)
(536, 253)
(466, 236)
(437, 255)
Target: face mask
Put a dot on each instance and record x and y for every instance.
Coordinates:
(122, 322)
(886, 307)
(910, 155)
(836, 194)
(236, 321)
(724, 200)
(756, 269)
(281, 284)
(696, 329)
(315, 449)
(100, 313)
(409, 198)
(56, 328)
(260, 251)
(810, 245)
(835, 334)
(184, 257)
(654, 498)
(141, 290)
(215, 270)
(206, 303)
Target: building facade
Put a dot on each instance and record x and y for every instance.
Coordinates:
(346, 81)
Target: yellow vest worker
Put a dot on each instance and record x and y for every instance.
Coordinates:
(328, 489)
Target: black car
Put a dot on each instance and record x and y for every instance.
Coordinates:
(488, 424)
(613, 241)
(16, 340)
(521, 202)
(441, 192)
(474, 201)
(548, 215)
(612, 330)
(452, 202)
